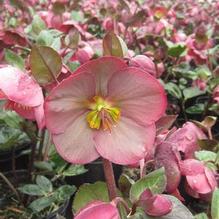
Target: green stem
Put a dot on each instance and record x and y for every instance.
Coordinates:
(110, 179)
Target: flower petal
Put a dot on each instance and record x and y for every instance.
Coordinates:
(102, 69)
(161, 206)
(186, 138)
(2, 96)
(20, 87)
(26, 112)
(191, 167)
(199, 183)
(166, 157)
(67, 101)
(211, 178)
(76, 144)
(39, 116)
(127, 143)
(98, 210)
(138, 94)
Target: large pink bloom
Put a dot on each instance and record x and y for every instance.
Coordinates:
(105, 109)
(98, 210)
(22, 93)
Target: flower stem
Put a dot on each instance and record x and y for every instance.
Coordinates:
(110, 179)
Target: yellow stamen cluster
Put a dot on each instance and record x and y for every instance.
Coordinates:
(103, 114)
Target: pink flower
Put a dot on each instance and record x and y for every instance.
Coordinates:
(168, 157)
(144, 63)
(199, 178)
(108, 24)
(201, 84)
(105, 109)
(185, 139)
(83, 54)
(155, 205)
(22, 93)
(168, 150)
(98, 210)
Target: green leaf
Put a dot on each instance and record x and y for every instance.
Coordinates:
(13, 59)
(192, 92)
(73, 65)
(173, 90)
(205, 156)
(38, 24)
(113, 45)
(31, 189)
(201, 216)
(43, 165)
(41, 203)
(203, 72)
(44, 183)
(125, 183)
(77, 16)
(175, 50)
(11, 118)
(196, 109)
(88, 193)
(155, 181)
(211, 166)
(74, 170)
(215, 204)
(64, 192)
(45, 38)
(72, 39)
(45, 64)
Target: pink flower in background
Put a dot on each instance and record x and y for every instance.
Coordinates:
(167, 156)
(83, 54)
(155, 205)
(105, 109)
(167, 152)
(144, 63)
(98, 210)
(22, 93)
(185, 139)
(200, 83)
(200, 179)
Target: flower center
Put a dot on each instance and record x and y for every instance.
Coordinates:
(103, 114)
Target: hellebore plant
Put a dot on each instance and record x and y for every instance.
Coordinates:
(22, 94)
(105, 109)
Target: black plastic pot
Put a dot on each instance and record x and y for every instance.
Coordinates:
(14, 157)
(95, 173)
